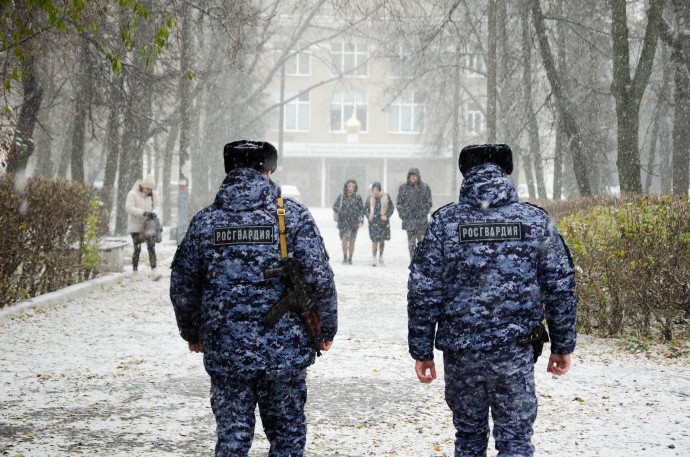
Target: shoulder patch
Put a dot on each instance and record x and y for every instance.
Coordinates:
(244, 234)
(490, 231)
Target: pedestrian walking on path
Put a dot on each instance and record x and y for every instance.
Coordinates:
(414, 203)
(347, 210)
(378, 210)
(141, 205)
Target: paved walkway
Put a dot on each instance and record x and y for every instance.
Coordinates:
(106, 374)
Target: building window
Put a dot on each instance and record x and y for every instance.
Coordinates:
(349, 59)
(296, 112)
(475, 118)
(399, 65)
(342, 106)
(296, 63)
(475, 65)
(406, 114)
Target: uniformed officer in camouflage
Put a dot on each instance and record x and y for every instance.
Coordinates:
(220, 296)
(486, 273)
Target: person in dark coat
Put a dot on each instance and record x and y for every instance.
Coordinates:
(378, 209)
(486, 274)
(348, 209)
(414, 203)
(221, 295)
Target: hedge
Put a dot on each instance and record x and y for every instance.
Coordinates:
(632, 257)
(49, 233)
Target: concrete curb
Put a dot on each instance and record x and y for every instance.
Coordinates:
(64, 295)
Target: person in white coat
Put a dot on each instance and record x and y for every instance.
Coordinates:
(140, 205)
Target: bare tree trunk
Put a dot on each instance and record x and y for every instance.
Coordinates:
(167, 172)
(503, 73)
(681, 133)
(44, 134)
(532, 125)
(491, 86)
(628, 91)
(654, 165)
(529, 173)
(456, 125)
(23, 144)
(681, 9)
(112, 142)
(63, 164)
(82, 100)
(185, 82)
(565, 109)
(560, 136)
(678, 166)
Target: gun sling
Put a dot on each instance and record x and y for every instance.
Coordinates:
(298, 297)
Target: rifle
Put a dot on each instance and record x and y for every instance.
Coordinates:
(298, 299)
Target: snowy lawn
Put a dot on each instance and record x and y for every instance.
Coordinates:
(108, 375)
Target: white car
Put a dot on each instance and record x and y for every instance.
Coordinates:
(289, 191)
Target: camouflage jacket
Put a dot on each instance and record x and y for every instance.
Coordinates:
(217, 284)
(487, 271)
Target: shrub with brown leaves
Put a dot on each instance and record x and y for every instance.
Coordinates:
(42, 228)
(632, 257)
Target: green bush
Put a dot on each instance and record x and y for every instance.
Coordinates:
(48, 230)
(632, 258)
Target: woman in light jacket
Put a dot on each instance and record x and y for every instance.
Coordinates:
(141, 205)
(378, 210)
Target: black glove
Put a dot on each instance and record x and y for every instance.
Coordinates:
(149, 214)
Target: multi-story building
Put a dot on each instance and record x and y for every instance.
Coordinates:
(342, 119)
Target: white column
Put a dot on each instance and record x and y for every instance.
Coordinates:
(384, 184)
(323, 182)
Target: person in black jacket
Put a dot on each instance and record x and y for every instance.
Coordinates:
(348, 209)
(414, 204)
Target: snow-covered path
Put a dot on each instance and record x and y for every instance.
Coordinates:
(108, 375)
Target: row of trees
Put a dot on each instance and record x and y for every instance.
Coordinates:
(96, 90)
(608, 81)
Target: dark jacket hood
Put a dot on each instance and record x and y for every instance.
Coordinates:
(487, 186)
(414, 171)
(245, 189)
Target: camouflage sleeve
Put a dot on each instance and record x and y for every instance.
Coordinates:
(186, 283)
(310, 252)
(425, 293)
(557, 283)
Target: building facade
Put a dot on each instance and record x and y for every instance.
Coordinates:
(351, 110)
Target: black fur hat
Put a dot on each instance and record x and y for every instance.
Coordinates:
(477, 154)
(259, 155)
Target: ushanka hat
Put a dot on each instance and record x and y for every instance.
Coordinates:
(259, 155)
(477, 154)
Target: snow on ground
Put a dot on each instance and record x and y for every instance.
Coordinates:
(106, 374)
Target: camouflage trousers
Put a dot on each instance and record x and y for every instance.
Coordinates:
(281, 402)
(500, 380)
